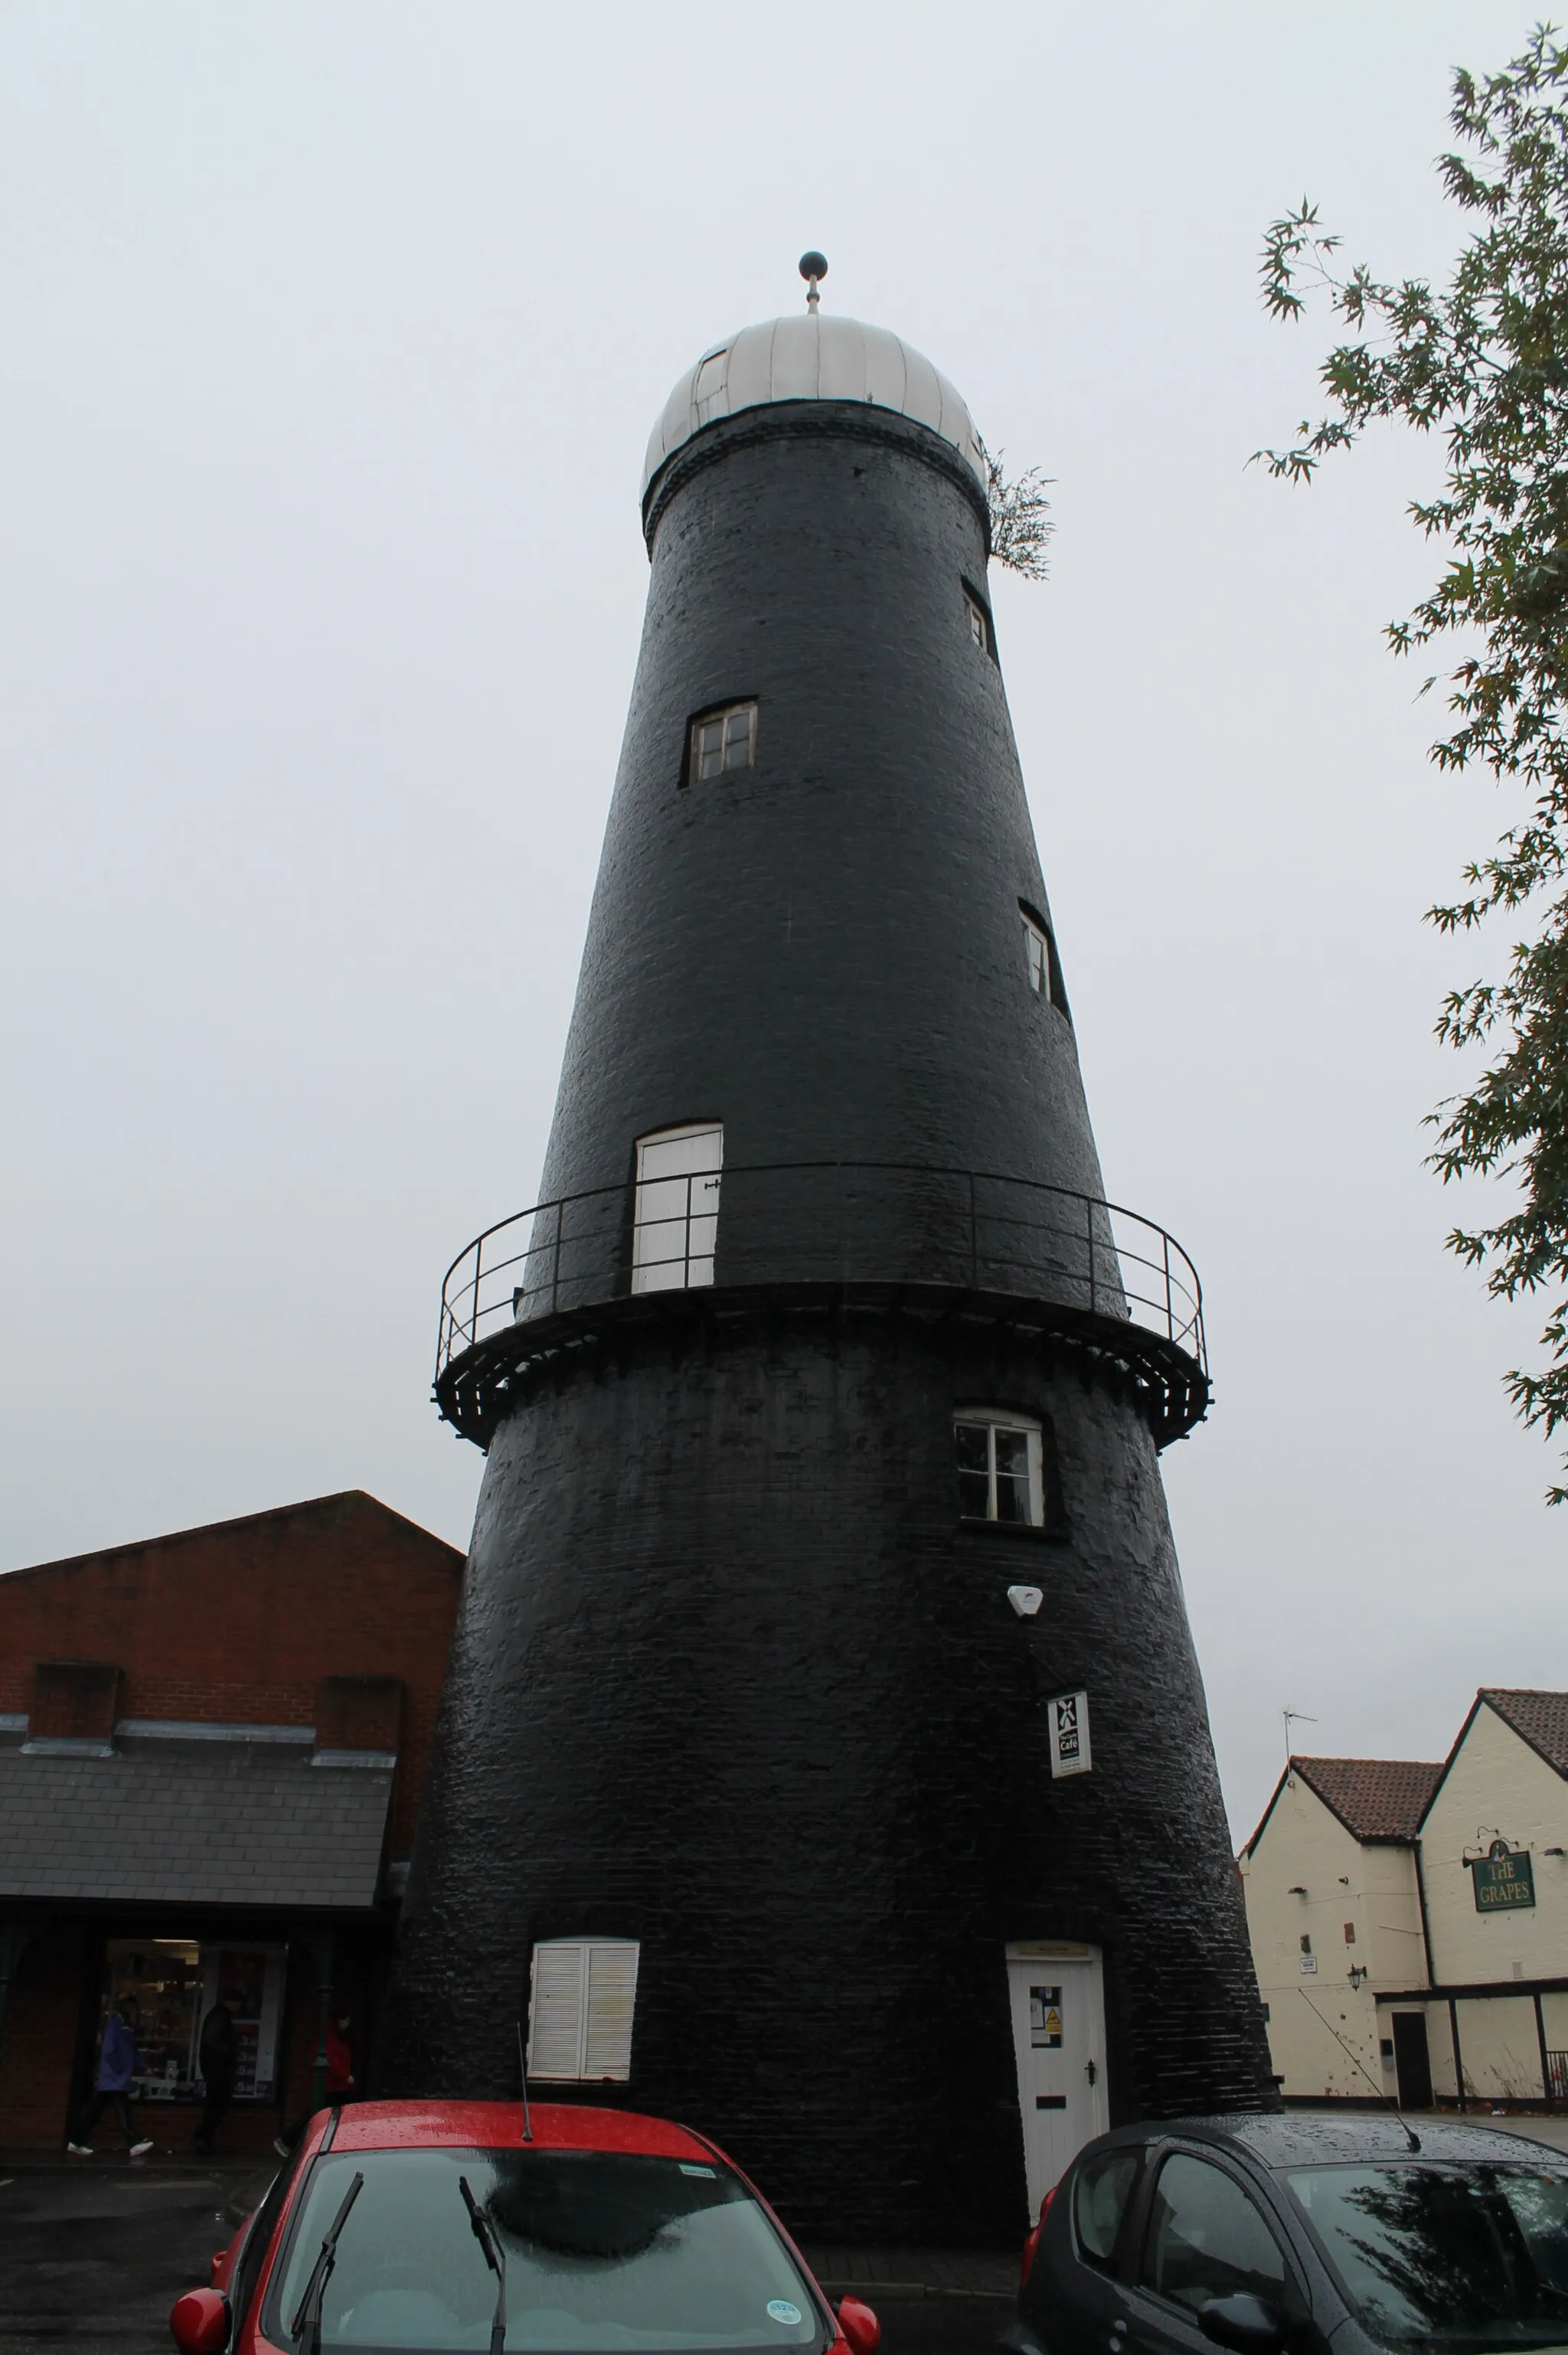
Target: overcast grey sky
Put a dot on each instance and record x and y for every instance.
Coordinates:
(333, 338)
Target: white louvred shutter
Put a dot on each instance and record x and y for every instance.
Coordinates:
(555, 2012)
(612, 1998)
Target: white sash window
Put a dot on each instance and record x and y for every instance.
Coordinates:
(1037, 958)
(722, 739)
(1041, 963)
(1001, 1476)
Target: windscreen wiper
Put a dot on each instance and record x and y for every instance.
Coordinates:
(495, 2258)
(315, 2295)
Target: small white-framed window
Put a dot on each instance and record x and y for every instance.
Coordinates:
(675, 1219)
(582, 1993)
(977, 615)
(1041, 964)
(721, 741)
(1037, 958)
(1001, 1468)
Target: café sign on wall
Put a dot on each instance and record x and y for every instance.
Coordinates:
(1503, 1876)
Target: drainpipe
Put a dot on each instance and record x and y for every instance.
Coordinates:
(1425, 1924)
(1458, 2062)
(1546, 2094)
(319, 1944)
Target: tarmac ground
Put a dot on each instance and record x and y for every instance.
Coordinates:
(94, 2252)
(92, 2259)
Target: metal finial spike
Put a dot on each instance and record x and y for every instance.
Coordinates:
(813, 267)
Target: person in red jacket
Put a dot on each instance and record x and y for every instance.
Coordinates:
(340, 2086)
(340, 2060)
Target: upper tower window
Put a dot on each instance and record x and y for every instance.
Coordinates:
(976, 612)
(722, 739)
(1001, 1476)
(1041, 963)
(1037, 957)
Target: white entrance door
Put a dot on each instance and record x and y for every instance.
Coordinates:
(1059, 2038)
(675, 1222)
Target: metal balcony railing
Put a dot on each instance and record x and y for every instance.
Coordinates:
(825, 1221)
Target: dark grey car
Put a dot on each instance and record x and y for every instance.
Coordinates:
(1299, 2232)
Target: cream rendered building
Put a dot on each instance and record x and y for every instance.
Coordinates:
(1334, 1910)
(1410, 1921)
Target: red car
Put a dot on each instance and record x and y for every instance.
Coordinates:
(430, 2227)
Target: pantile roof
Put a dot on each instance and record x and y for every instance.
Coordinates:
(1538, 1718)
(1374, 1799)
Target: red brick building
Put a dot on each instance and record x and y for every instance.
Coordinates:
(212, 1747)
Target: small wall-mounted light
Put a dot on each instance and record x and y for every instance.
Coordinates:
(1357, 1975)
(1344, 1880)
(1552, 1851)
(1297, 1892)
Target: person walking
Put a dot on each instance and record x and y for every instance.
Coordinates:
(111, 2081)
(338, 2085)
(216, 2055)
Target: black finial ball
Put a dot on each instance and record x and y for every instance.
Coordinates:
(814, 265)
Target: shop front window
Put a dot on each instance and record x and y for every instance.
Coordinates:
(164, 1987)
(157, 1983)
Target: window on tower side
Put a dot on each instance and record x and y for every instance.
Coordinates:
(582, 1999)
(977, 613)
(1037, 957)
(1000, 1475)
(1041, 964)
(720, 741)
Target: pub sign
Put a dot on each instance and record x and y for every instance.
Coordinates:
(1502, 1878)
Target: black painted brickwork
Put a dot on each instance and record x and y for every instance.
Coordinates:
(823, 951)
(766, 1706)
(729, 1676)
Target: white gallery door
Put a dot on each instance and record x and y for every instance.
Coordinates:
(675, 1225)
(1058, 2040)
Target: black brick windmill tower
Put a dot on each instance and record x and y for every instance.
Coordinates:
(823, 1760)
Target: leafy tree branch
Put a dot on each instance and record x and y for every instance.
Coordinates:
(1483, 360)
(1022, 528)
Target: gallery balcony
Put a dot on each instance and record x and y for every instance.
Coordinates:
(954, 1243)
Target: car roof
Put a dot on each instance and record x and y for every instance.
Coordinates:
(1278, 2138)
(556, 2125)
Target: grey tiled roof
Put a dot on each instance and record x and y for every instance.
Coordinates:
(213, 1825)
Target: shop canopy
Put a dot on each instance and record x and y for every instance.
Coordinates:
(225, 1822)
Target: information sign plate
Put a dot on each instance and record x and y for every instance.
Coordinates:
(1069, 1715)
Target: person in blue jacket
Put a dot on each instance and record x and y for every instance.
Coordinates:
(117, 2059)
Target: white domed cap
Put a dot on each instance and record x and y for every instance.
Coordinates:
(807, 357)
